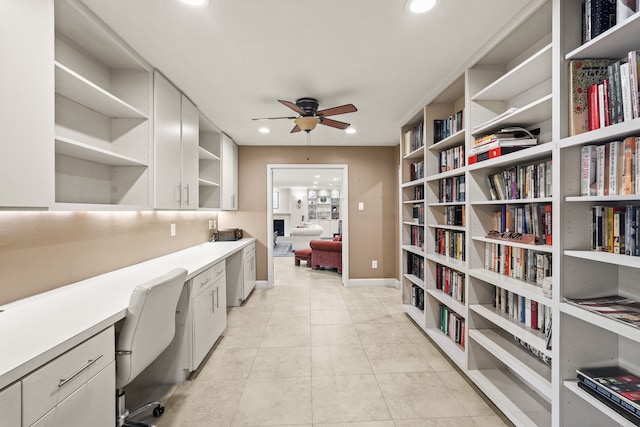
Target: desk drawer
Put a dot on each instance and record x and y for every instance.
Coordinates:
(46, 387)
(205, 279)
(249, 250)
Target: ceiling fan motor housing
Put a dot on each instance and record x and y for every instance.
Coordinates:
(308, 105)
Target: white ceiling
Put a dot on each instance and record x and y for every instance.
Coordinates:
(236, 58)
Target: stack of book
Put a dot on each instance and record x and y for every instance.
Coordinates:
(616, 387)
(505, 141)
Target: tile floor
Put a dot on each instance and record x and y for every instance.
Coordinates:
(310, 352)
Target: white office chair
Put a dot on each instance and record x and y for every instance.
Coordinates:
(147, 330)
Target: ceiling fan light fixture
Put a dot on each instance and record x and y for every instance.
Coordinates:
(307, 124)
(351, 130)
(420, 6)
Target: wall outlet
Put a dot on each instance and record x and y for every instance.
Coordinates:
(374, 264)
(210, 224)
(173, 230)
(360, 206)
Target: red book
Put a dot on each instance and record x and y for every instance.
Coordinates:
(592, 105)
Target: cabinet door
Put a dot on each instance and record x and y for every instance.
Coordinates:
(93, 404)
(167, 103)
(26, 105)
(203, 324)
(249, 273)
(229, 184)
(10, 406)
(189, 149)
(220, 308)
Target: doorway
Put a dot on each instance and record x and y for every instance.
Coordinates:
(335, 220)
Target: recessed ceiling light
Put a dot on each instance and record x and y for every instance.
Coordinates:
(351, 130)
(317, 176)
(264, 130)
(196, 3)
(420, 6)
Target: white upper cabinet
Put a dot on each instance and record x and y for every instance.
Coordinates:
(176, 147)
(229, 197)
(26, 105)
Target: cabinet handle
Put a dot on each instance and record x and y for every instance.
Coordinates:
(90, 362)
(217, 291)
(213, 301)
(187, 190)
(205, 282)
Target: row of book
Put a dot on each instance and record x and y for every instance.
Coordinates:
(622, 309)
(443, 129)
(414, 138)
(522, 182)
(450, 243)
(416, 170)
(610, 169)
(532, 218)
(417, 212)
(601, 15)
(615, 229)
(418, 192)
(417, 297)
(531, 313)
(509, 137)
(523, 264)
(603, 92)
(450, 281)
(417, 236)
(452, 324)
(615, 386)
(452, 189)
(454, 215)
(415, 265)
(537, 353)
(451, 159)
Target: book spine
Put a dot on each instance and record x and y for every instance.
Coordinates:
(589, 162)
(625, 89)
(591, 388)
(606, 391)
(593, 107)
(614, 147)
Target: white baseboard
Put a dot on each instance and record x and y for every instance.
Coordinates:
(381, 283)
(263, 284)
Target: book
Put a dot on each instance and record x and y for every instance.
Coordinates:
(593, 106)
(634, 60)
(583, 74)
(613, 382)
(627, 412)
(628, 169)
(616, 307)
(588, 186)
(492, 154)
(601, 15)
(503, 142)
(614, 167)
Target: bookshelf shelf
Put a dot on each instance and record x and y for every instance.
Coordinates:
(603, 322)
(592, 401)
(451, 141)
(447, 300)
(447, 261)
(608, 133)
(413, 183)
(528, 367)
(450, 348)
(447, 227)
(512, 326)
(447, 204)
(447, 174)
(614, 43)
(413, 249)
(538, 248)
(605, 199)
(527, 155)
(533, 71)
(605, 257)
(415, 154)
(526, 115)
(415, 280)
(415, 313)
(517, 286)
(511, 201)
(517, 401)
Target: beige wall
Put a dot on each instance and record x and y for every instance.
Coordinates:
(40, 251)
(373, 180)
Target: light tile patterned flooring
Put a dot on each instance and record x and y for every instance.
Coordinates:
(310, 352)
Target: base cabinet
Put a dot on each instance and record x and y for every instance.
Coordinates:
(10, 406)
(208, 312)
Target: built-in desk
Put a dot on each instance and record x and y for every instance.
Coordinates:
(35, 330)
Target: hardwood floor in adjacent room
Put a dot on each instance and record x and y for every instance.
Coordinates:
(310, 352)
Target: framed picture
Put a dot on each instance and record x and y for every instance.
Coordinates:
(276, 200)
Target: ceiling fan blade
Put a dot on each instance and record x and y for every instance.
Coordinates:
(347, 108)
(274, 118)
(291, 105)
(295, 129)
(334, 123)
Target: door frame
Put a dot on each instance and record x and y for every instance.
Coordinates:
(344, 213)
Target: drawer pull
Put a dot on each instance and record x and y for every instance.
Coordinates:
(79, 371)
(205, 282)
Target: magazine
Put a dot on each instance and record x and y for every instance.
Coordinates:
(616, 307)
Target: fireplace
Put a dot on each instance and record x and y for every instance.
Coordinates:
(278, 226)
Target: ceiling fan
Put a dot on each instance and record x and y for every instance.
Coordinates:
(310, 116)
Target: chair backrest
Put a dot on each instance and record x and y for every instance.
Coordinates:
(149, 326)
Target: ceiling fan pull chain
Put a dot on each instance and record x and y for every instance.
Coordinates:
(308, 145)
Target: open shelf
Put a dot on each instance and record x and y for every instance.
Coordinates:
(525, 116)
(73, 86)
(613, 43)
(520, 287)
(446, 344)
(446, 299)
(79, 150)
(615, 417)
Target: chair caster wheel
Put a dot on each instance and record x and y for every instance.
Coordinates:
(158, 410)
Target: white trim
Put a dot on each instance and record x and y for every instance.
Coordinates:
(378, 283)
(344, 193)
(263, 284)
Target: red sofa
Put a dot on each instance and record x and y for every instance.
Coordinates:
(326, 253)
